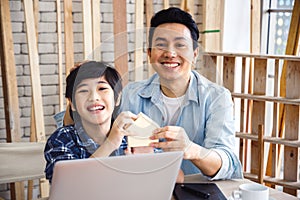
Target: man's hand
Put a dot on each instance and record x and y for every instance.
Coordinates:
(175, 137)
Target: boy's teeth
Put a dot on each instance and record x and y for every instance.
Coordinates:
(96, 108)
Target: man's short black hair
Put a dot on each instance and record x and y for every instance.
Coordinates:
(174, 15)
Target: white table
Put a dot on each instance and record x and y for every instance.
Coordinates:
(227, 186)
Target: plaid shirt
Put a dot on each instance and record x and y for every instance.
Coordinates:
(71, 142)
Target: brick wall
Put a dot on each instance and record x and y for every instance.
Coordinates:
(48, 58)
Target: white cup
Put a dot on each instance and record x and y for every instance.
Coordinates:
(251, 191)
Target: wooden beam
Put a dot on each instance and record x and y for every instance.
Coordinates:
(259, 88)
(68, 26)
(267, 98)
(36, 89)
(254, 48)
(213, 19)
(36, 15)
(255, 26)
(120, 39)
(229, 72)
(33, 120)
(270, 139)
(209, 67)
(149, 14)
(273, 156)
(139, 35)
(252, 55)
(274, 181)
(96, 30)
(166, 4)
(243, 109)
(87, 30)
(34, 70)
(10, 90)
(188, 6)
(9, 80)
(261, 154)
(59, 46)
(292, 126)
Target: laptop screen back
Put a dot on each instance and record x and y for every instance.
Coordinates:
(143, 176)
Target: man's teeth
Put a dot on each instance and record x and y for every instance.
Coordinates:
(96, 108)
(171, 64)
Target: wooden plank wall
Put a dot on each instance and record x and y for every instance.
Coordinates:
(232, 65)
(292, 124)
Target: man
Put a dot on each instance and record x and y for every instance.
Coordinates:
(195, 114)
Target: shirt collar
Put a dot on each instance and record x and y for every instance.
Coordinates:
(85, 140)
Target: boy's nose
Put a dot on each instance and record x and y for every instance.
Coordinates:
(94, 96)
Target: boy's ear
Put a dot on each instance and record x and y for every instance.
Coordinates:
(67, 118)
(72, 107)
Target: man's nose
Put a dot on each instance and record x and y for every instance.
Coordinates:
(170, 53)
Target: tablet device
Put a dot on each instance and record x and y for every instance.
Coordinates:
(193, 191)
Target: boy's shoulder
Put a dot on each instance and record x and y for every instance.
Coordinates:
(62, 133)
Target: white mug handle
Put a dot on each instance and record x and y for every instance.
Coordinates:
(237, 195)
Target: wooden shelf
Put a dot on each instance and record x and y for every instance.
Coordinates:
(266, 98)
(273, 140)
(252, 55)
(275, 181)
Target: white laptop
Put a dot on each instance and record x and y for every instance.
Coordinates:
(132, 177)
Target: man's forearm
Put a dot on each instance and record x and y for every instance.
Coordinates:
(207, 160)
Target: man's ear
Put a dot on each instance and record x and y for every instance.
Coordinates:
(118, 101)
(196, 53)
(149, 52)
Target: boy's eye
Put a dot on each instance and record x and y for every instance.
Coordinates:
(82, 91)
(102, 88)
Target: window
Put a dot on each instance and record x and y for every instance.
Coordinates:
(275, 25)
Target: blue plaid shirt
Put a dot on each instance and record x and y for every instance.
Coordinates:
(71, 142)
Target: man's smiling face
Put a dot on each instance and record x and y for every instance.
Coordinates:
(172, 51)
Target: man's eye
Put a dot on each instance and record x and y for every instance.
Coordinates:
(160, 45)
(180, 45)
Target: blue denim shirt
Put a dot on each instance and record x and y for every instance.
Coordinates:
(206, 116)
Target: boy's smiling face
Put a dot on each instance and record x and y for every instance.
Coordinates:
(94, 99)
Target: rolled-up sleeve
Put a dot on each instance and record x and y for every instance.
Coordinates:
(220, 135)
